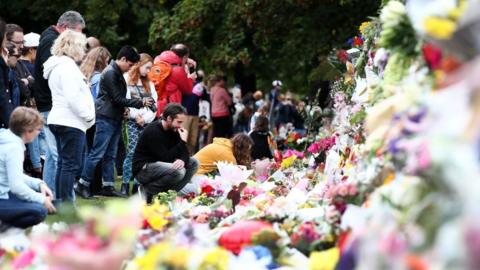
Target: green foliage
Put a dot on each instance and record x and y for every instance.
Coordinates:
(284, 39)
(166, 197)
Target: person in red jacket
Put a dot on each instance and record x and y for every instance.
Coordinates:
(180, 81)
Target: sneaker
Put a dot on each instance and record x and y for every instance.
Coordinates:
(83, 191)
(111, 192)
(124, 189)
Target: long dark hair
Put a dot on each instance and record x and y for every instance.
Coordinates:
(242, 147)
(261, 124)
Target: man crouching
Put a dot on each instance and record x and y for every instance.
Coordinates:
(161, 161)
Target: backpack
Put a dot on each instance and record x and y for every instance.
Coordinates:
(158, 75)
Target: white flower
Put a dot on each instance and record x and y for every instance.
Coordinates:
(392, 13)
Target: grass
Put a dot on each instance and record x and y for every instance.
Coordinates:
(68, 213)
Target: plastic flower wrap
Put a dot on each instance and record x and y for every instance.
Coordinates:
(231, 173)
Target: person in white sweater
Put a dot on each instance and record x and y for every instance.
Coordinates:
(24, 200)
(138, 86)
(73, 110)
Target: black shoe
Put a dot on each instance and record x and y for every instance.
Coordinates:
(83, 191)
(144, 195)
(134, 188)
(124, 189)
(111, 192)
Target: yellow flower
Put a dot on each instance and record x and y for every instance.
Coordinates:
(178, 258)
(389, 179)
(157, 215)
(439, 28)
(153, 256)
(286, 163)
(457, 12)
(363, 28)
(324, 260)
(217, 259)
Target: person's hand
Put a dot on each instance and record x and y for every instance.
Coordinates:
(183, 134)
(192, 76)
(49, 205)
(147, 102)
(178, 164)
(45, 190)
(25, 81)
(139, 120)
(191, 63)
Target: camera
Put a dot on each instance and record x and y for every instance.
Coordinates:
(153, 107)
(192, 70)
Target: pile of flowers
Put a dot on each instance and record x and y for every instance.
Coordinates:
(388, 179)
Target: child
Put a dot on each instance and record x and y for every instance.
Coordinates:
(261, 139)
(261, 111)
(24, 200)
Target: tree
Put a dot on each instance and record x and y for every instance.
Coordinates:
(256, 41)
(261, 39)
(114, 22)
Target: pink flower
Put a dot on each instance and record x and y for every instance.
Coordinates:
(352, 190)
(314, 148)
(24, 260)
(423, 156)
(343, 190)
(291, 152)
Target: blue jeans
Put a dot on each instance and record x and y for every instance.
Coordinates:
(51, 154)
(34, 153)
(20, 213)
(105, 145)
(70, 145)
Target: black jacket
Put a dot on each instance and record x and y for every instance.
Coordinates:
(22, 72)
(156, 144)
(261, 148)
(42, 92)
(111, 99)
(5, 96)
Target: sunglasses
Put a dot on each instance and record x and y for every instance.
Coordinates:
(18, 42)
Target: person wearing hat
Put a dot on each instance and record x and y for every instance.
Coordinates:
(29, 51)
(25, 70)
(25, 67)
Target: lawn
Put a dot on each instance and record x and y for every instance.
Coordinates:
(67, 212)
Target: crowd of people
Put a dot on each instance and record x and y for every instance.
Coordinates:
(67, 102)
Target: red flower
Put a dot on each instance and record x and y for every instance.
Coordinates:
(432, 55)
(357, 41)
(145, 224)
(342, 55)
(207, 189)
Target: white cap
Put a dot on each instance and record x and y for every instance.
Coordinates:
(277, 83)
(31, 40)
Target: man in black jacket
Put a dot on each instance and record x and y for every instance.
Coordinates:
(5, 98)
(41, 91)
(161, 161)
(110, 106)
